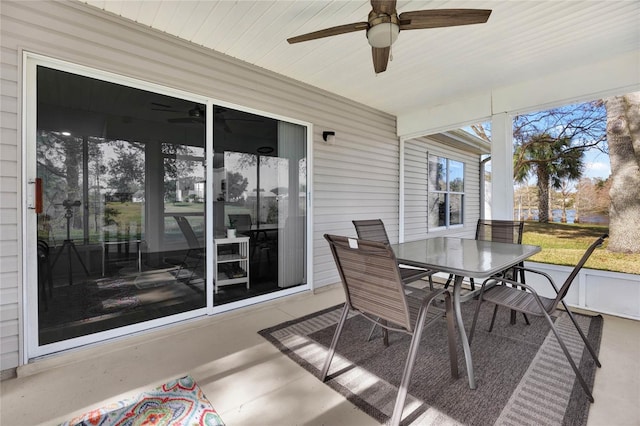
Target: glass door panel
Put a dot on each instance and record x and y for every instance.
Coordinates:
(117, 167)
(260, 182)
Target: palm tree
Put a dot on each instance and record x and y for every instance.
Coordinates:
(551, 160)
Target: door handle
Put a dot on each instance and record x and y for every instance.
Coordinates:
(34, 195)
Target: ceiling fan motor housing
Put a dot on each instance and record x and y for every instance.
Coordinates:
(383, 29)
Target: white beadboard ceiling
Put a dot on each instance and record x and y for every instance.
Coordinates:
(522, 40)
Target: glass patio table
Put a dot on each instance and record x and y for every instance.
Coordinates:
(463, 258)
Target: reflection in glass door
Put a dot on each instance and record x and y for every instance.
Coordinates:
(260, 175)
(121, 196)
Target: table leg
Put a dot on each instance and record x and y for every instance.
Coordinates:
(457, 287)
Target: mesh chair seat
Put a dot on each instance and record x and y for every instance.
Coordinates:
(518, 300)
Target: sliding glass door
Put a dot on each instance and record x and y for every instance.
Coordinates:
(260, 185)
(125, 232)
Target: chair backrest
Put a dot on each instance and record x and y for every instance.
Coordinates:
(371, 279)
(562, 292)
(242, 221)
(371, 230)
(187, 231)
(502, 231)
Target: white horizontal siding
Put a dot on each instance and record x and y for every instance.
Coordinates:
(9, 239)
(415, 188)
(356, 178)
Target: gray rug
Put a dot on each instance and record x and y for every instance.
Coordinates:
(521, 372)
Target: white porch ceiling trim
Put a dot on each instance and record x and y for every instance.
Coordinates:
(601, 79)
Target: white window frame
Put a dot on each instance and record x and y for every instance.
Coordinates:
(447, 193)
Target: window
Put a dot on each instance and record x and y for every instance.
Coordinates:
(446, 192)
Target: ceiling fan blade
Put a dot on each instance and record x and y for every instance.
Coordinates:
(158, 104)
(384, 6)
(436, 18)
(187, 120)
(328, 32)
(380, 58)
(226, 127)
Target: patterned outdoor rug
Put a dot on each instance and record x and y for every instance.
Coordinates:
(179, 402)
(521, 373)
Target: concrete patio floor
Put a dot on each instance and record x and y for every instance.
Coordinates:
(247, 379)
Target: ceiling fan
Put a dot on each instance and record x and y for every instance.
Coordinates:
(193, 115)
(384, 24)
(196, 115)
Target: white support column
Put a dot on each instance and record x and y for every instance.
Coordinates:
(401, 195)
(501, 166)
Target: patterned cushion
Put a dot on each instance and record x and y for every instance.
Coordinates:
(179, 402)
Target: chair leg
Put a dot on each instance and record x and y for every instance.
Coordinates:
(493, 318)
(408, 366)
(193, 271)
(475, 315)
(373, 328)
(334, 343)
(430, 283)
(513, 318)
(584, 338)
(446, 285)
(385, 333)
(522, 280)
(568, 355)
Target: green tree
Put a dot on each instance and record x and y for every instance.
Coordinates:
(549, 145)
(551, 160)
(236, 185)
(127, 168)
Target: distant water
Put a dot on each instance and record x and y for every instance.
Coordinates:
(571, 216)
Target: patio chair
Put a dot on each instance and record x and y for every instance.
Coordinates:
(373, 288)
(195, 251)
(243, 224)
(502, 231)
(523, 298)
(374, 230)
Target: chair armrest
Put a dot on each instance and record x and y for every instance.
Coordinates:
(514, 283)
(424, 295)
(544, 274)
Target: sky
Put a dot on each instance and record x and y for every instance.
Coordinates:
(597, 165)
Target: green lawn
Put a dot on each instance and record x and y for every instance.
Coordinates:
(564, 244)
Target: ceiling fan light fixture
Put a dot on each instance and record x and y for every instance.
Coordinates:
(383, 35)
